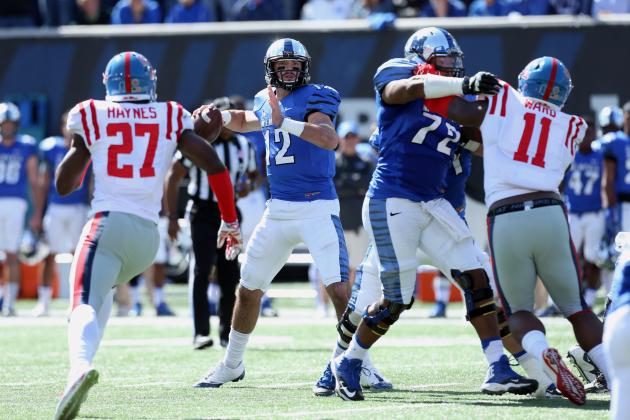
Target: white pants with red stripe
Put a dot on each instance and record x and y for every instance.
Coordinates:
(113, 248)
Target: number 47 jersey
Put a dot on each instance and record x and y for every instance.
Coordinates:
(528, 145)
(132, 146)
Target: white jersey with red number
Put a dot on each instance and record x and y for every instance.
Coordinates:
(527, 145)
(132, 146)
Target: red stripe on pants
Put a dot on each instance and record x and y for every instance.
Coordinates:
(80, 272)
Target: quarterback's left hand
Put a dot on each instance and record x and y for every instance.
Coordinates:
(276, 112)
(230, 235)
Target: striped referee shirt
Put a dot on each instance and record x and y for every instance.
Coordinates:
(237, 154)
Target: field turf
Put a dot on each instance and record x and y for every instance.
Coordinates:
(147, 368)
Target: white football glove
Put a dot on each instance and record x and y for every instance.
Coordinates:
(230, 234)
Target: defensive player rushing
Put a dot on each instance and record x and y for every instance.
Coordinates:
(297, 120)
(18, 174)
(131, 140)
(65, 216)
(523, 169)
(405, 209)
(617, 333)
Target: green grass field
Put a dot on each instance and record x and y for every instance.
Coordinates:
(147, 367)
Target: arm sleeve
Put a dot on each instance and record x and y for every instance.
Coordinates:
(324, 99)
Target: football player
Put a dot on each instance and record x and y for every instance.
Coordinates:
(131, 140)
(18, 175)
(523, 171)
(583, 196)
(65, 216)
(405, 207)
(617, 333)
(297, 120)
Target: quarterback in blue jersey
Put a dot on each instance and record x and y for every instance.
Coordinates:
(405, 207)
(297, 121)
(617, 332)
(65, 215)
(18, 175)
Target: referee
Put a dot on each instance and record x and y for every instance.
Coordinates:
(238, 155)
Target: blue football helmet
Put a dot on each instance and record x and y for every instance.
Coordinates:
(611, 116)
(546, 79)
(428, 43)
(9, 112)
(129, 76)
(287, 49)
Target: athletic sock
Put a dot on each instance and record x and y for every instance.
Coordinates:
(534, 369)
(158, 295)
(492, 349)
(535, 343)
(83, 339)
(356, 349)
(13, 290)
(441, 289)
(235, 349)
(44, 294)
(589, 296)
(135, 294)
(599, 358)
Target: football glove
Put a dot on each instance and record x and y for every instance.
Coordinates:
(230, 235)
(482, 83)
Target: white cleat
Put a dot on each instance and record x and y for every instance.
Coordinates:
(75, 395)
(583, 363)
(220, 375)
(372, 379)
(40, 311)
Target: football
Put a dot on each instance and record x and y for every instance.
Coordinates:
(208, 123)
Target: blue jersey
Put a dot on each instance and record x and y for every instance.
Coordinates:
(296, 169)
(616, 146)
(456, 180)
(416, 147)
(583, 182)
(52, 150)
(13, 159)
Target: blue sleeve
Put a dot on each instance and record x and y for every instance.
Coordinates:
(116, 16)
(323, 99)
(155, 15)
(391, 70)
(608, 150)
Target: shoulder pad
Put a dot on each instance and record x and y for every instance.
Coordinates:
(48, 144)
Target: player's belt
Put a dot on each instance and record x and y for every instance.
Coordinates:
(525, 205)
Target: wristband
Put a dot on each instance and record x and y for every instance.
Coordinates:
(226, 116)
(224, 192)
(439, 86)
(292, 126)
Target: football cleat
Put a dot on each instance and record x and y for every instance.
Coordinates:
(438, 311)
(583, 363)
(163, 310)
(372, 379)
(325, 386)
(552, 392)
(570, 386)
(75, 395)
(221, 375)
(40, 310)
(597, 386)
(201, 342)
(346, 373)
(501, 379)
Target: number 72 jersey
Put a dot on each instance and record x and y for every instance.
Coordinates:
(528, 145)
(132, 146)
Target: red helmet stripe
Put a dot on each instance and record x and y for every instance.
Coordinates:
(552, 78)
(128, 72)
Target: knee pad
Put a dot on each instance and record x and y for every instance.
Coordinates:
(504, 328)
(345, 327)
(479, 299)
(386, 315)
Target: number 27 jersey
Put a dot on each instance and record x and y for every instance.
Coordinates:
(527, 145)
(132, 146)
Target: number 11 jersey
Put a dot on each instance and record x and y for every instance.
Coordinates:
(132, 146)
(527, 145)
